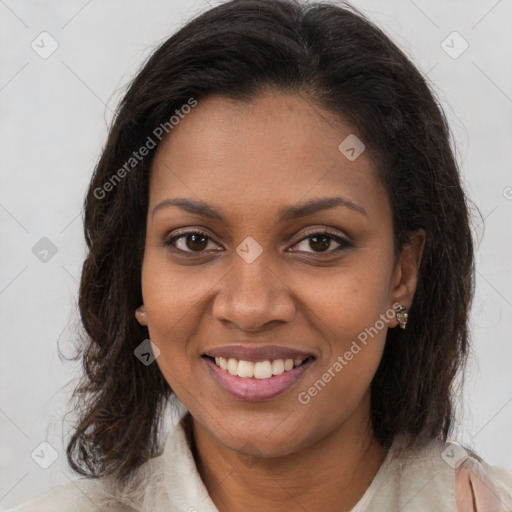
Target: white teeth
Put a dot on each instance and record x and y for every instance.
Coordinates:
(232, 366)
(245, 369)
(262, 370)
(258, 370)
(277, 367)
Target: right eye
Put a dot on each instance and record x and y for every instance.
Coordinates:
(190, 242)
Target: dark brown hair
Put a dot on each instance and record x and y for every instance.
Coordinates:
(348, 66)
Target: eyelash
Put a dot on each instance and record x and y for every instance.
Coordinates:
(344, 243)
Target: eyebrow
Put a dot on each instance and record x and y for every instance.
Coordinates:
(286, 214)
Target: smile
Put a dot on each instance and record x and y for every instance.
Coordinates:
(257, 370)
(256, 380)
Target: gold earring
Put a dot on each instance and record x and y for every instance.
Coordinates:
(402, 316)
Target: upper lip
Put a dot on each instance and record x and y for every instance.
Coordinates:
(257, 353)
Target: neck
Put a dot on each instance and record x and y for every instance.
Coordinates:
(330, 475)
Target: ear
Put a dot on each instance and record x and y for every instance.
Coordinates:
(405, 276)
(141, 316)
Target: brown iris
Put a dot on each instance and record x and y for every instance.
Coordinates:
(196, 242)
(324, 244)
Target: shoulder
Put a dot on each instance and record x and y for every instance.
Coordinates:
(145, 490)
(501, 483)
(500, 476)
(440, 476)
(478, 485)
(140, 492)
(79, 495)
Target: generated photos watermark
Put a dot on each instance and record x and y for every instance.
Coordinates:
(137, 156)
(304, 397)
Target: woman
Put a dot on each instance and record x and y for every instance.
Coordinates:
(279, 238)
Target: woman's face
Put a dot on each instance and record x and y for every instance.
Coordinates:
(251, 275)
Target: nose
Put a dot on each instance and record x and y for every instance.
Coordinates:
(252, 296)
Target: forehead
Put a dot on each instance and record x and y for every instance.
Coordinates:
(254, 157)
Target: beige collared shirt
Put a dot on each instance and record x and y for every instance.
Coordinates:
(437, 478)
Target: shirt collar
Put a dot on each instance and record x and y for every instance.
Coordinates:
(186, 490)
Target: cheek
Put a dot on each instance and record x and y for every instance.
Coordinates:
(349, 309)
(173, 305)
(172, 295)
(351, 298)
(352, 355)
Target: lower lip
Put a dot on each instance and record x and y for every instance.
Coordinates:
(255, 390)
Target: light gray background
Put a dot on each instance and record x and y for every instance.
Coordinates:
(54, 114)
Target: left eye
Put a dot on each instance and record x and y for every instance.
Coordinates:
(321, 242)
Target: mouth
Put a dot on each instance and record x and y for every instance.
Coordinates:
(265, 369)
(256, 373)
